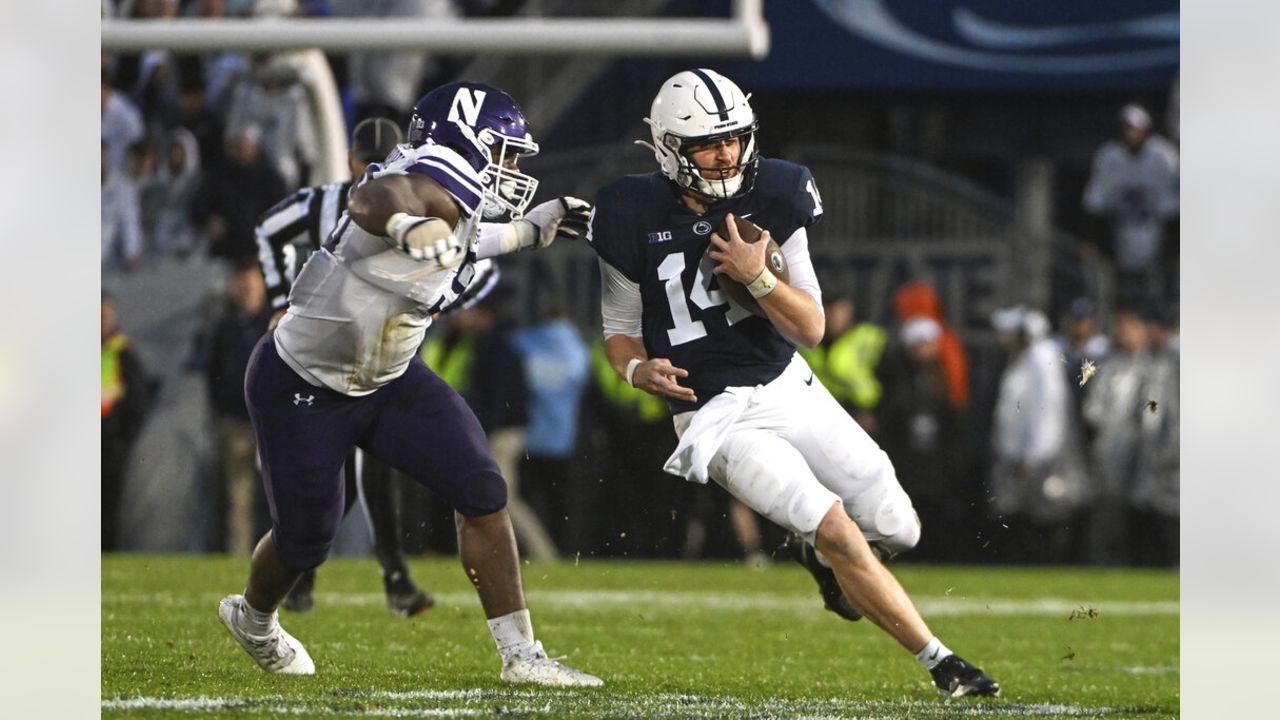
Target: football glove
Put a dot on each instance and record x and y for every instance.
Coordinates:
(565, 217)
(426, 239)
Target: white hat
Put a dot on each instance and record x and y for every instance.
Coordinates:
(1008, 319)
(1136, 116)
(920, 329)
(1021, 318)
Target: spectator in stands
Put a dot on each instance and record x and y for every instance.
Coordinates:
(156, 91)
(272, 97)
(557, 365)
(922, 431)
(180, 178)
(1154, 495)
(475, 355)
(125, 399)
(385, 84)
(230, 201)
(1134, 187)
(140, 162)
(1079, 339)
(196, 115)
(918, 299)
(1038, 481)
(1114, 403)
(235, 331)
(122, 124)
(847, 360)
(121, 217)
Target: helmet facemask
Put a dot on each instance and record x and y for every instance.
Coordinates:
(724, 182)
(507, 191)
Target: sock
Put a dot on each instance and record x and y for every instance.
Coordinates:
(513, 634)
(257, 622)
(933, 653)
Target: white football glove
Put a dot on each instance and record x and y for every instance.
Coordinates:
(426, 239)
(565, 217)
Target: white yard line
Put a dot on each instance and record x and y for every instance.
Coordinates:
(930, 606)
(589, 704)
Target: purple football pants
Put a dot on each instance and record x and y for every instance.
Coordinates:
(416, 424)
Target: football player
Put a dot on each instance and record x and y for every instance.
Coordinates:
(287, 234)
(341, 368)
(746, 409)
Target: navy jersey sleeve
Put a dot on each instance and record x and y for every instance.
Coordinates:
(808, 203)
(612, 228)
(791, 195)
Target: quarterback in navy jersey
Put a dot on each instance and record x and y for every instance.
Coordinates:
(654, 240)
(341, 369)
(745, 406)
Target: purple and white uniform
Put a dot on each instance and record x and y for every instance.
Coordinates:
(359, 308)
(341, 370)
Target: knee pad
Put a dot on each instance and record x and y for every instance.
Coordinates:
(897, 516)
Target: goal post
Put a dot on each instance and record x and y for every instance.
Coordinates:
(743, 34)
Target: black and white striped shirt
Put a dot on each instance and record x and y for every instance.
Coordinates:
(294, 228)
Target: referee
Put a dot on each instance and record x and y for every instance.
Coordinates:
(287, 234)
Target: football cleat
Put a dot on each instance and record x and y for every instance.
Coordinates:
(833, 597)
(299, 599)
(956, 678)
(410, 603)
(275, 652)
(536, 668)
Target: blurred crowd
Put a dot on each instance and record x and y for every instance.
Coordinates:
(1073, 457)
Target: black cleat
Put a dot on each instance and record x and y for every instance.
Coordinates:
(410, 601)
(956, 678)
(299, 599)
(833, 597)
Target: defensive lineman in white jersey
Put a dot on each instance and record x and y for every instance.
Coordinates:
(341, 369)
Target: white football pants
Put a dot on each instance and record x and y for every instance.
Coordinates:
(794, 452)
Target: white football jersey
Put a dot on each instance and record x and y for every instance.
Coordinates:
(359, 307)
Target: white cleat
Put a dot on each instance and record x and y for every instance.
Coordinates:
(277, 652)
(538, 669)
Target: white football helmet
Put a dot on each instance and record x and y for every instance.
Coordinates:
(700, 106)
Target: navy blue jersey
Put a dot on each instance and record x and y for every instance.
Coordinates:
(641, 228)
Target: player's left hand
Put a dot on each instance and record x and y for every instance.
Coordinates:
(563, 218)
(740, 260)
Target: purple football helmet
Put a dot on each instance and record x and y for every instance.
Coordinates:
(488, 129)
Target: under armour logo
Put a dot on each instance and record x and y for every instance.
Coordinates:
(298, 399)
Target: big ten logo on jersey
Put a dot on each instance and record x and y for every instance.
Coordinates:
(466, 105)
(659, 237)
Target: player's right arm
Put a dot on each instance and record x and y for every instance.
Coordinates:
(621, 307)
(414, 211)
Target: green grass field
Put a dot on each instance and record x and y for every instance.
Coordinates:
(689, 640)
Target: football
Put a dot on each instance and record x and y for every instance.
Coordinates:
(773, 259)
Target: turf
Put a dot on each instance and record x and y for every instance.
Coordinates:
(690, 640)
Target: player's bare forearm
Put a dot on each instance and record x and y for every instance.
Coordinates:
(656, 376)
(373, 203)
(620, 349)
(794, 313)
